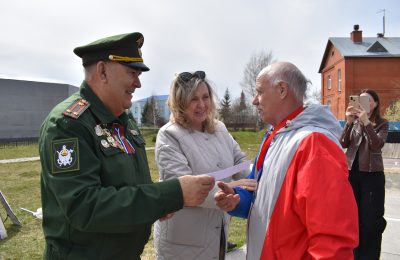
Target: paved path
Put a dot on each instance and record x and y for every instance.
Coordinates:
(27, 159)
(238, 254)
(391, 236)
(391, 163)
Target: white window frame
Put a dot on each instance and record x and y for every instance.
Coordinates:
(329, 82)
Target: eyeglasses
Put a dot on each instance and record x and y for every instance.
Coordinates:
(186, 76)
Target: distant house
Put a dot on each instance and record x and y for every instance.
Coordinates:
(353, 63)
(161, 105)
(25, 104)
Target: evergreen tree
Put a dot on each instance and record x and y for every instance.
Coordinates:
(145, 112)
(225, 103)
(150, 113)
(242, 108)
(242, 105)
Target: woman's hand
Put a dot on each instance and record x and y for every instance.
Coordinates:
(247, 184)
(363, 116)
(350, 114)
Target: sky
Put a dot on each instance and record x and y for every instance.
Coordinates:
(217, 36)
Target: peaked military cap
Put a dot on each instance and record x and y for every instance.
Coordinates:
(122, 48)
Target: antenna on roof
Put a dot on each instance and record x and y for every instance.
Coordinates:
(384, 12)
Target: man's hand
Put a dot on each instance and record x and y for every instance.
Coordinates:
(226, 199)
(195, 188)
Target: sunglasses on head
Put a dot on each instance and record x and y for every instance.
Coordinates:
(186, 76)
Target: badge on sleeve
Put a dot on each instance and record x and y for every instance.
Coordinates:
(65, 155)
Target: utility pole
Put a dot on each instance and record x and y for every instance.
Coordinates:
(383, 20)
(153, 104)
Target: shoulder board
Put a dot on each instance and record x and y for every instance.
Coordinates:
(77, 108)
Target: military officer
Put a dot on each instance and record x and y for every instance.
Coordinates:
(97, 196)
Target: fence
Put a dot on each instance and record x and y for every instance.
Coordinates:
(14, 142)
(393, 136)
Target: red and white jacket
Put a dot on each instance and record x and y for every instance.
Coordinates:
(304, 207)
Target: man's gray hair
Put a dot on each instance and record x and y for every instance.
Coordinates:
(291, 75)
(89, 70)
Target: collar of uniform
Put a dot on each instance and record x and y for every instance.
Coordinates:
(98, 108)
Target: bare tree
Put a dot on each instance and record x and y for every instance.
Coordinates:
(313, 96)
(257, 62)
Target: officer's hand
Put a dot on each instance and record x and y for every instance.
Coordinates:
(166, 217)
(195, 188)
(226, 199)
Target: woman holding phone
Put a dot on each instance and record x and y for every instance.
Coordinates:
(364, 135)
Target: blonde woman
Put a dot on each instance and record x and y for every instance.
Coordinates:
(194, 142)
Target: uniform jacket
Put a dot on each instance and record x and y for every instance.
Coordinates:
(193, 232)
(368, 141)
(98, 201)
(304, 206)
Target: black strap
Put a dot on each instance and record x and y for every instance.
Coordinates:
(222, 243)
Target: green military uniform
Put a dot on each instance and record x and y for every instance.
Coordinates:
(97, 196)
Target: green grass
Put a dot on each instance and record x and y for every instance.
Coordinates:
(249, 142)
(11, 152)
(20, 183)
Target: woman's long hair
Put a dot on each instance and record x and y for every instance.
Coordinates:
(375, 117)
(181, 93)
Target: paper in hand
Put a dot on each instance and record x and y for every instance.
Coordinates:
(225, 173)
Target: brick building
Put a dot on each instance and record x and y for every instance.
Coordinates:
(355, 63)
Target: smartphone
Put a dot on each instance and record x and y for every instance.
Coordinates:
(359, 101)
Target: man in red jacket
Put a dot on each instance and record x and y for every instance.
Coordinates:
(303, 207)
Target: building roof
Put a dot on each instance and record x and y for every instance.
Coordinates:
(158, 97)
(391, 47)
(369, 47)
(23, 82)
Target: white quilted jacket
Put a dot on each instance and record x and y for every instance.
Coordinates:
(193, 232)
